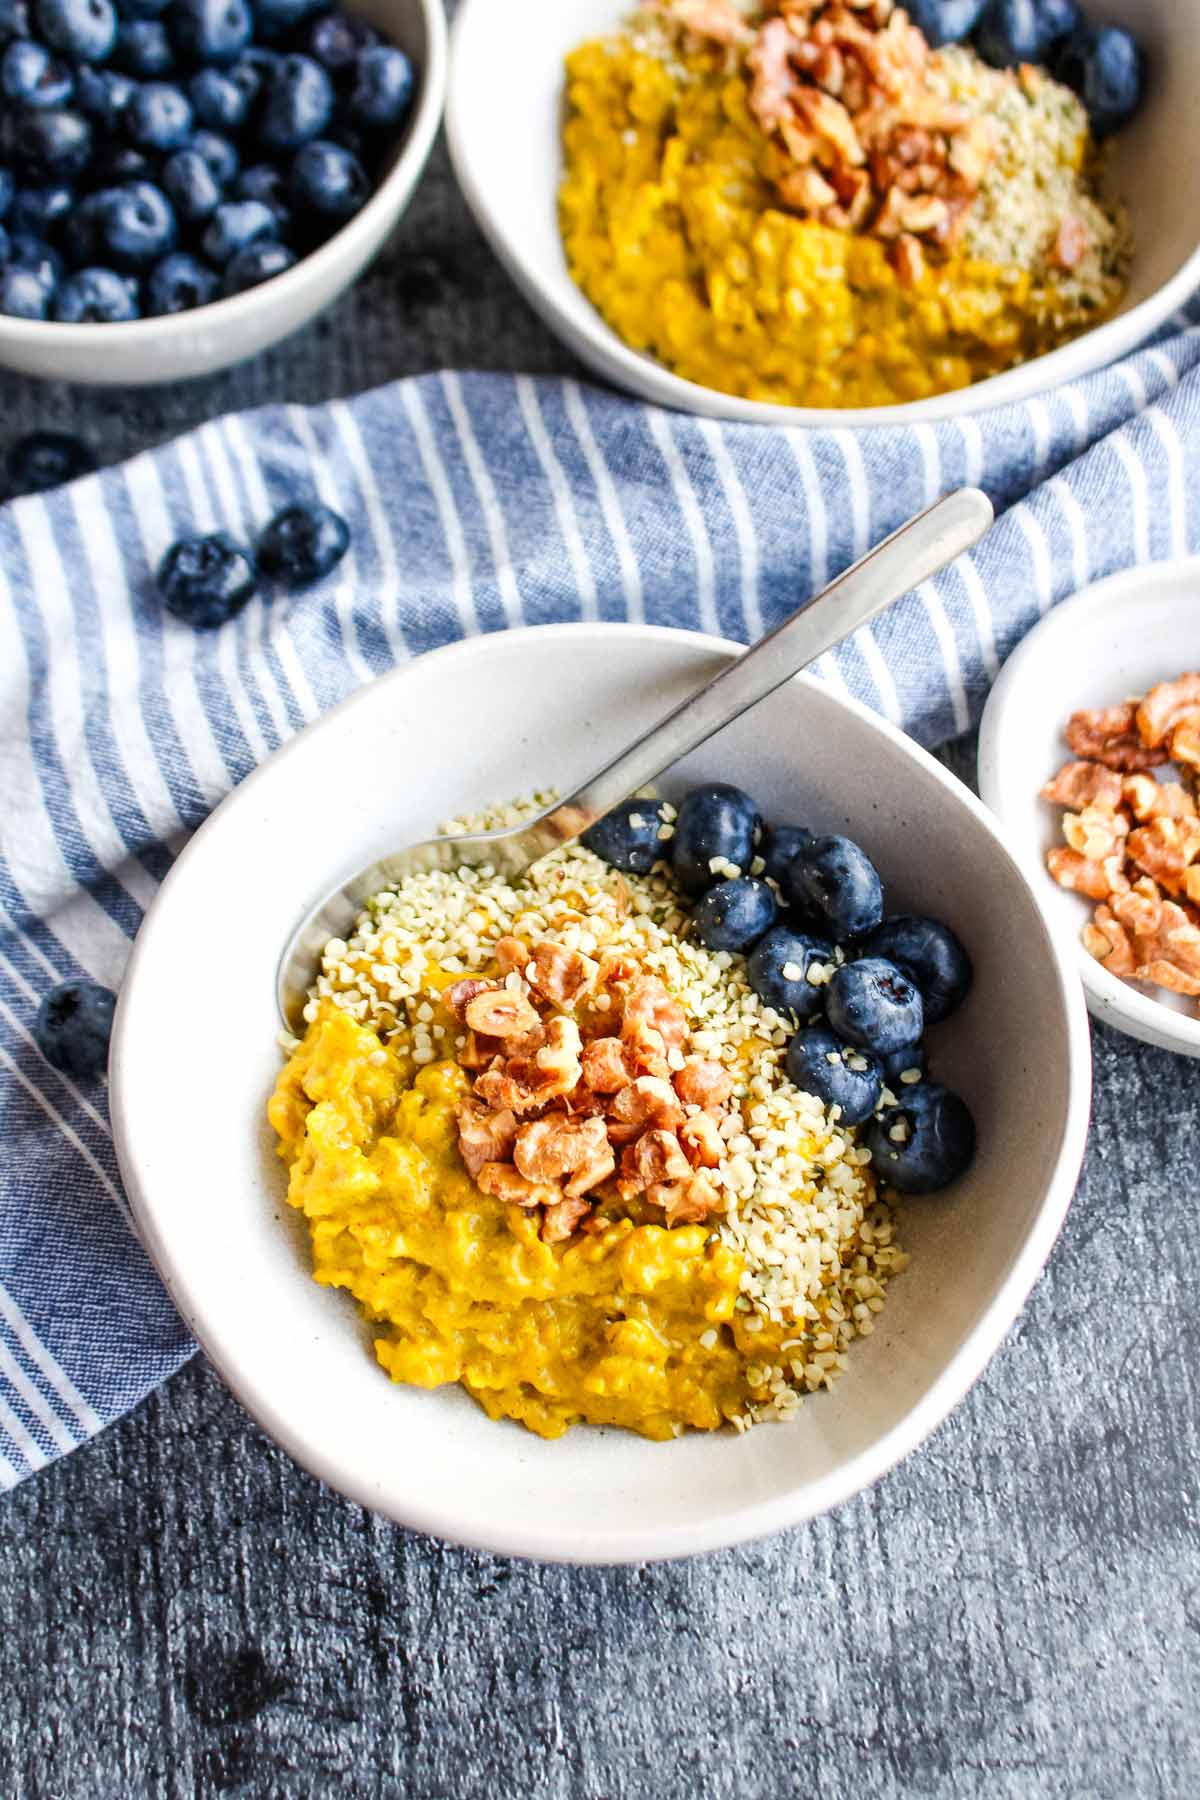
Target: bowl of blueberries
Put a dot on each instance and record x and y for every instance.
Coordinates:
(185, 182)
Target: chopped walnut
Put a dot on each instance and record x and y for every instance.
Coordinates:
(1081, 784)
(501, 1013)
(1185, 744)
(551, 1148)
(1095, 879)
(458, 996)
(718, 20)
(1096, 833)
(701, 1141)
(560, 975)
(484, 1136)
(1108, 735)
(512, 953)
(1166, 849)
(1149, 799)
(1166, 706)
(703, 1083)
(648, 1003)
(647, 1102)
(686, 1202)
(655, 1157)
(561, 1218)
(604, 1066)
(504, 1182)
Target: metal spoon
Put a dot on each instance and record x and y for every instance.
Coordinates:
(911, 555)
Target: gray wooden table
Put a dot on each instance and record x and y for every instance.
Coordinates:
(1014, 1612)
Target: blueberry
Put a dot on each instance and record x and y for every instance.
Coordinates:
(297, 103)
(733, 915)
(30, 76)
(84, 30)
(255, 264)
(41, 211)
(249, 74)
(923, 1143)
(1022, 31)
(159, 117)
(302, 544)
(44, 460)
(51, 144)
(834, 881)
(779, 846)
(134, 225)
(219, 100)
(218, 153)
(143, 49)
(4, 245)
(178, 283)
(874, 1005)
(190, 186)
(275, 20)
(235, 225)
(910, 1060)
(945, 21)
(206, 580)
(335, 41)
(627, 837)
(267, 183)
(837, 1075)
(714, 822)
(102, 95)
(931, 955)
(96, 297)
(73, 1026)
(1106, 68)
(381, 97)
(778, 971)
(14, 20)
(23, 295)
(210, 31)
(37, 256)
(7, 189)
(329, 181)
(119, 166)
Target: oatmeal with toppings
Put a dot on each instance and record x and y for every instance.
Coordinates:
(552, 1136)
(807, 203)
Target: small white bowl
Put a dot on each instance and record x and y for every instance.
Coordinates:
(1113, 640)
(213, 337)
(194, 1059)
(505, 142)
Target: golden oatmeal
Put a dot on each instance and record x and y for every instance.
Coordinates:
(804, 204)
(548, 1142)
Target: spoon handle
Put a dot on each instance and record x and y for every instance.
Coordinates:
(911, 555)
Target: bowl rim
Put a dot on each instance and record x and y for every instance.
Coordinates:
(546, 1542)
(1111, 1000)
(168, 329)
(598, 345)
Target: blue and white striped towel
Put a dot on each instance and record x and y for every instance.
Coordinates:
(475, 503)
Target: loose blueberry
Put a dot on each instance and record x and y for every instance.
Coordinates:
(190, 186)
(159, 117)
(627, 837)
(381, 97)
(120, 165)
(14, 20)
(778, 848)
(210, 31)
(7, 190)
(715, 823)
(733, 915)
(220, 155)
(945, 21)
(73, 1026)
(102, 95)
(96, 297)
(30, 76)
(206, 580)
(302, 544)
(1106, 68)
(267, 183)
(40, 212)
(297, 104)
(234, 226)
(835, 1074)
(911, 1060)
(134, 225)
(778, 971)
(219, 100)
(37, 256)
(277, 19)
(874, 1005)
(1022, 31)
(23, 295)
(329, 181)
(834, 881)
(84, 30)
(931, 955)
(44, 460)
(178, 283)
(923, 1143)
(51, 144)
(255, 264)
(143, 49)
(336, 40)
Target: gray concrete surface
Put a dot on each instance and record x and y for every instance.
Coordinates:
(1013, 1612)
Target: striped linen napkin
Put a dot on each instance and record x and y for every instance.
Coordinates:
(475, 502)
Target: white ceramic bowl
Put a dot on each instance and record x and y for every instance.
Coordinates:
(504, 139)
(194, 1059)
(1115, 639)
(213, 337)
